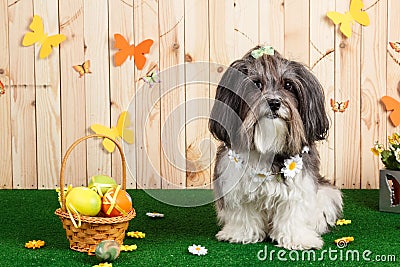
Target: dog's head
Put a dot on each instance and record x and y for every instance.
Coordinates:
(270, 104)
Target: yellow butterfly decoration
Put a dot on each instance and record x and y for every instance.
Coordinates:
(348, 18)
(83, 69)
(119, 132)
(38, 36)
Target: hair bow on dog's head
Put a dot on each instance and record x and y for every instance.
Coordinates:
(264, 50)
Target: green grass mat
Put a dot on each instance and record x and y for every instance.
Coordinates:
(29, 214)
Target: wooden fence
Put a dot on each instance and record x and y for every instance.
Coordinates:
(46, 106)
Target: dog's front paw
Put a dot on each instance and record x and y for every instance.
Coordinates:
(301, 243)
(239, 236)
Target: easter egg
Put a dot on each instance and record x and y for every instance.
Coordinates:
(83, 200)
(107, 250)
(102, 183)
(118, 205)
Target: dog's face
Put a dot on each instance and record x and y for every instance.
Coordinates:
(270, 104)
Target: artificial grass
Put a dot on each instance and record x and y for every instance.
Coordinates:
(29, 214)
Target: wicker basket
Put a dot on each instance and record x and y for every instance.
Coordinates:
(93, 230)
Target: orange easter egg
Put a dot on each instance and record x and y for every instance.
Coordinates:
(116, 202)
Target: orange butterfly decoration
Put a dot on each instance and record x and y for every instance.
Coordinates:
(83, 69)
(2, 90)
(125, 50)
(339, 106)
(392, 104)
(395, 46)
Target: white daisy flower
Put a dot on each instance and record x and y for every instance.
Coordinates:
(197, 250)
(397, 154)
(292, 166)
(261, 176)
(235, 158)
(155, 215)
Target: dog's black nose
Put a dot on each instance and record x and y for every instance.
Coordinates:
(274, 104)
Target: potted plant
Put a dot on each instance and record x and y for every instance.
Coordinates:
(389, 180)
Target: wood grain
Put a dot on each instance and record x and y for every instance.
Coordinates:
(148, 135)
(48, 127)
(97, 83)
(347, 87)
(23, 98)
(246, 26)
(272, 24)
(373, 87)
(392, 63)
(197, 50)
(322, 64)
(173, 130)
(221, 52)
(47, 106)
(122, 80)
(297, 30)
(6, 177)
(73, 91)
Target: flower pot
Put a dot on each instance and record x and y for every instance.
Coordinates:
(389, 191)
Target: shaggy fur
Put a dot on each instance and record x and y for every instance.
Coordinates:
(267, 110)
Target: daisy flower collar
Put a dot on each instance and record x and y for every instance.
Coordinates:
(292, 166)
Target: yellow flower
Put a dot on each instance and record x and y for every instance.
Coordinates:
(377, 149)
(103, 264)
(394, 139)
(34, 244)
(343, 221)
(128, 247)
(136, 234)
(346, 239)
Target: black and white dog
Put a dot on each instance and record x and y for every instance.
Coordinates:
(269, 112)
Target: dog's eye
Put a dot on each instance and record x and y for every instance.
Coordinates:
(258, 84)
(288, 85)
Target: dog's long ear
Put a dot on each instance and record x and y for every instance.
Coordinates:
(225, 118)
(312, 106)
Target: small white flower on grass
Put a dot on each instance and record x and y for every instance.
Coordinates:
(155, 215)
(292, 166)
(197, 250)
(235, 158)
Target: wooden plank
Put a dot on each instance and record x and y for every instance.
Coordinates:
(197, 49)
(73, 93)
(147, 136)
(272, 24)
(246, 26)
(96, 83)
(173, 132)
(221, 51)
(347, 87)
(6, 177)
(122, 81)
(373, 87)
(297, 30)
(48, 124)
(23, 104)
(393, 61)
(322, 42)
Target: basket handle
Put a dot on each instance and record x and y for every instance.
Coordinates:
(64, 163)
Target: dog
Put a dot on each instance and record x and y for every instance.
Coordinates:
(269, 112)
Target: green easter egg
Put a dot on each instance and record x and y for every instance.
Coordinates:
(83, 200)
(107, 250)
(102, 182)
